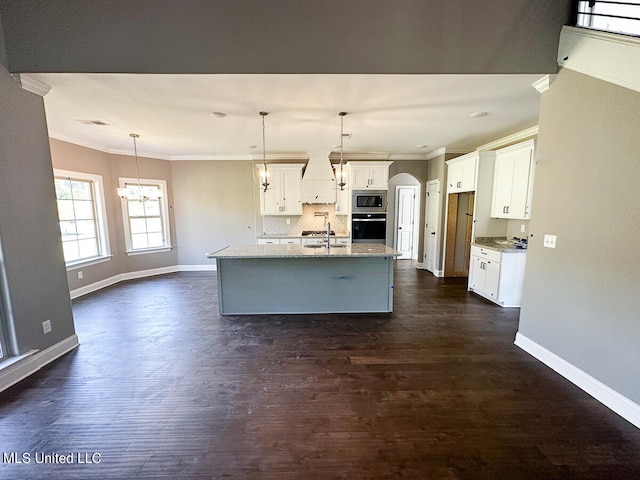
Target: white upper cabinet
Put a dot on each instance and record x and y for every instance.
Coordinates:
(284, 193)
(461, 173)
(369, 175)
(513, 181)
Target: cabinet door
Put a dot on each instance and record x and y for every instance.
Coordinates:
(519, 206)
(359, 177)
(513, 182)
(491, 279)
(502, 186)
(270, 199)
(462, 176)
(454, 177)
(290, 191)
(477, 274)
(343, 198)
(468, 175)
(379, 178)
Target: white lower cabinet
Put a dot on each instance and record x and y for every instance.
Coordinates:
(497, 276)
(278, 241)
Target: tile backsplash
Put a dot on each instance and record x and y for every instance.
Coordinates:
(277, 225)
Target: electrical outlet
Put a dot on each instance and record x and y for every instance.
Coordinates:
(288, 221)
(549, 241)
(523, 228)
(80, 275)
(46, 326)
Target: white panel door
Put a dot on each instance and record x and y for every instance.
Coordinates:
(432, 225)
(405, 218)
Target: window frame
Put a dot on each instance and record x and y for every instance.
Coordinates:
(100, 211)
(589, 17)
(164, 216)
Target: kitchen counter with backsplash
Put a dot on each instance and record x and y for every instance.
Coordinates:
(501, 244)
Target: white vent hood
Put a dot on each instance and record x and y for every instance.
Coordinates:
(318, 182)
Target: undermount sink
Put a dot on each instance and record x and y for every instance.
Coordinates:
(324, 246)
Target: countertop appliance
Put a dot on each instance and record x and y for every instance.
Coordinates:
(368, 227)
(369, 201)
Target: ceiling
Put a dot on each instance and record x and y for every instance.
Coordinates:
(388, 114)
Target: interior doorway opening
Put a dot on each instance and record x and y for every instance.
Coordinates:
(459, 231)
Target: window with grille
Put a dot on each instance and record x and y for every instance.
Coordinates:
(146, 222)
(610, 16)
(80, 201)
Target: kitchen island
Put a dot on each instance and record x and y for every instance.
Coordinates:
(281, 279)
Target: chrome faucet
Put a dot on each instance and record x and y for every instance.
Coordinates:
(328, 235)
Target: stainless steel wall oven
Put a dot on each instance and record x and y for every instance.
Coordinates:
(368, 227)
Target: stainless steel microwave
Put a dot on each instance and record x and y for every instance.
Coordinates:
(367, 201)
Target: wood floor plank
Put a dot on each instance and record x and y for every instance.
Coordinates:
(163, 387)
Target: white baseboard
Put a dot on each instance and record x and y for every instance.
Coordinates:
(436, 273)
(92, 287)
(34, 361)
(620, 404)
(197, 268)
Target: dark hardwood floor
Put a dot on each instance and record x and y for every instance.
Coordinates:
(163, 387)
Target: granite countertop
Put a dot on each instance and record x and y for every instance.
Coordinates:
(299, 251)
(501, 244)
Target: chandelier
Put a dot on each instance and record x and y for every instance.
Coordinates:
(137, 191)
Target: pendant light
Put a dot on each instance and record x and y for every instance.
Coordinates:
(139, 193)
(340, 174)
(264, 174)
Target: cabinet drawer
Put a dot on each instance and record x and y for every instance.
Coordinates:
(486, 253)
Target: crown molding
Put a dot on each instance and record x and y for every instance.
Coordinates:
(544, 83)
(31, 85)
(444, 150)
(510, 139)
(611, 57)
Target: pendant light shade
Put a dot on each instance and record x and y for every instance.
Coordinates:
(339, 170)
(264, 173)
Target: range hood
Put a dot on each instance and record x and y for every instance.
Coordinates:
(318, 181)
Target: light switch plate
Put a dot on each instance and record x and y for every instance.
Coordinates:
(46, 326)
(549, 241)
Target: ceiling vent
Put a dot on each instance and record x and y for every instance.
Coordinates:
(92, 122)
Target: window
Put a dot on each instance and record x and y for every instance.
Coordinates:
(81, 212)
(145, 214)
(610, 16)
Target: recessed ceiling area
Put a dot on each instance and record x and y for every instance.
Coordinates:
(217, 116)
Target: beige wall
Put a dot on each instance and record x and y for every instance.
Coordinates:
(111, 167)
(214, 206)
(580, 300)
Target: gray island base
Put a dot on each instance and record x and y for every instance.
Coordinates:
(290, 279)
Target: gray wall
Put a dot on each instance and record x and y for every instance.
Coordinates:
(3, 51)
(111, 167)
(419, 170)
(580, 300)
(215, 204)
(34, 272)
(284, 36)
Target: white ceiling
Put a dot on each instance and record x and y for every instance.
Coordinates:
(390, 114)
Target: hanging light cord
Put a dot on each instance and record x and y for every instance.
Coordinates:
(135, 153)
(342, 182)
